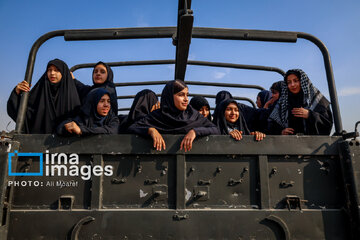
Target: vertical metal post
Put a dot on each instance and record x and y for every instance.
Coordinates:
(97, 184)
(183, 38)
(6, 192)
(264, 182)
(351, 194)
(180, 181)
(330, 80)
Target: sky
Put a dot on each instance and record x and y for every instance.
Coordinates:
(335, 23)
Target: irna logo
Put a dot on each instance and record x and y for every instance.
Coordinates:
(15, 153)
(60, 164)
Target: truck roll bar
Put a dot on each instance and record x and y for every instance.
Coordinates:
(181, 58)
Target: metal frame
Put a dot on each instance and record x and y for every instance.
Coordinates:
(190, 62)
(182, 35)
(261, 158)
(192, 95)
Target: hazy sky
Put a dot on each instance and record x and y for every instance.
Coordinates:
(336, 23)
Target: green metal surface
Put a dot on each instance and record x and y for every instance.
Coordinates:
(222, 188)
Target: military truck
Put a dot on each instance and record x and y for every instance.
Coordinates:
(284, 187)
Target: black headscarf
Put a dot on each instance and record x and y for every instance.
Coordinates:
(89, 120)
(141, 106)
(143, 102)
(222, 95)
(309, 97)
(49, 103)
(168, 119)
(222, 124)
(265, 96)
(110, 77)
(198, 102)
(90, 117)
(108, 85)
(89, 109)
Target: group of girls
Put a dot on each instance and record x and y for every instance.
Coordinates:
(294, 106)
(59, 103)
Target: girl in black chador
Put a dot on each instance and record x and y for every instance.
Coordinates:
(95, 116)
(265, 102)
(221, 96)
(249, 114)
(200, 104)
(175, 116)
(51, 100)
(102, 77)
(230, 121)
(301, 108)
(144, 102)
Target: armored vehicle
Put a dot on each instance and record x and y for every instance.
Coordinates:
(284, 187)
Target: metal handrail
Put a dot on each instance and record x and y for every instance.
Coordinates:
(192, 95)
(190, 62)
(235, 85)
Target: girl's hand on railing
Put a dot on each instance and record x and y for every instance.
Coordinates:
(236, 134)
(72, 127)
(159, 142)
(22, 87)
(259, 136)
(186, 143)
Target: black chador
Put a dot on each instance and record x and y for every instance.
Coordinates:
(226, 127)
(198, 102)
(109, 85)
(319, 121)
(170, 120)
(49, 103)
(142, 105)
(89, 120)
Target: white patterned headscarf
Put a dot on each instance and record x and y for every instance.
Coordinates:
(311, 97)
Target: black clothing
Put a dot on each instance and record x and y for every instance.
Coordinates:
(89, 121)
(198, 102)
(48, 103)
(142, 104)
(226, 127)
(320, 115)
(222, 95)
(122, 123)
(256, 118)
(169, 120)
(259, 122)
(264, 96)
(109, 85)
(296, 101)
